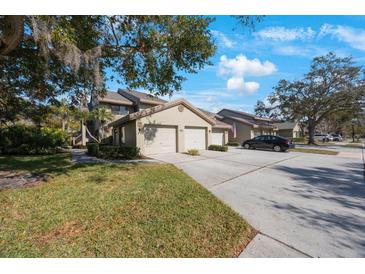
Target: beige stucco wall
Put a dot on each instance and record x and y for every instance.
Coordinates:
(290, 133)
(130, 132)
(286, 133)
(173, 117)
(243, 132)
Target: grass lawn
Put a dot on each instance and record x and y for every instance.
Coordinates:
(115, 210)
(355, 145)
(316, 151)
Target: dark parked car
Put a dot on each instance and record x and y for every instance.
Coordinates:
(276, 143)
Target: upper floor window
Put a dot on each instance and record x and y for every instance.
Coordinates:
(119, 110)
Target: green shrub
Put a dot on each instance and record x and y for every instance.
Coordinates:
(112, 152)
(79, 147)
(233, 144)
(109, 152)
(129, 152)
(218, 148)
(299, 139)
(193, 152)
(93, 149)
(30, 140)
(117, 152)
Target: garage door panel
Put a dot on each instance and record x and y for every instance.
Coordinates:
(195, 138)
(218, 138)
(159, 139)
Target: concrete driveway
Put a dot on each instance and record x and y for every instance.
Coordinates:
(304, 205)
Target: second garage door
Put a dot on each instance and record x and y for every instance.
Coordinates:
(195, 138)
(159, 139)
(217, 137)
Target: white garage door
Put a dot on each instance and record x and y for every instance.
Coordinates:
(217, 138)
(158, 139)
(194, 138)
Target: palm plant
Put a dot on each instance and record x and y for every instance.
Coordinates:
(103, 115)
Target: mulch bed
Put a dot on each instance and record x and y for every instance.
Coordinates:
(11, 179)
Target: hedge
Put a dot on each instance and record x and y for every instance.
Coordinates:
(218, 148)
(93, 149)
(233, 144)
(31, 140)
(299, 139)
(112, 152)
(193, 152)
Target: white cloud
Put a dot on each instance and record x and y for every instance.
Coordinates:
(305, 51)
(239, 67)
(223, 39)
(354, 37)
(286, 34)
(237, 83)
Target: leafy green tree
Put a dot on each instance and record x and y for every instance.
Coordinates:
(333, 84)
(44, 57)
(261, 110)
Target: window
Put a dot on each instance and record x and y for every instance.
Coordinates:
(119, 110)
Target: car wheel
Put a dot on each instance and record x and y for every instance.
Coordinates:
(247, 146)
(277, 148)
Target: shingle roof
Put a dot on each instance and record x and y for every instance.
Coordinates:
(247, 114)
(248, 119)
(158, 108)
(286, 125)
(244, 121)
(216, 117)
(116, 98)
(143, 97)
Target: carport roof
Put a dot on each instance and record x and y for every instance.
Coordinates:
(141, 97)
(150, 111)
(216, 117)
(286, 125)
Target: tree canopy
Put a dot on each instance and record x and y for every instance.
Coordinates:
(44, 57)
(333, 85)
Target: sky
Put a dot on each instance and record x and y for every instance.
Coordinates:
(248, 64)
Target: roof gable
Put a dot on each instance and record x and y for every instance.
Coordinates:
(241, 114)
(286, 125)
(153, 110)
(141, 97)
(114, 98)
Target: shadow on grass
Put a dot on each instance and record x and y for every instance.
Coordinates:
(52, 164)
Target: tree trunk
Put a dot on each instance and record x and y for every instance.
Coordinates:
(12, 33)
(311, 129)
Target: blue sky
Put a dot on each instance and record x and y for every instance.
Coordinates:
(247, 65)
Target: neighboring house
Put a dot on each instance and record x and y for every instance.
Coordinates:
(175, 126)
(245, 126)
(120, 104)
(289, 129)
